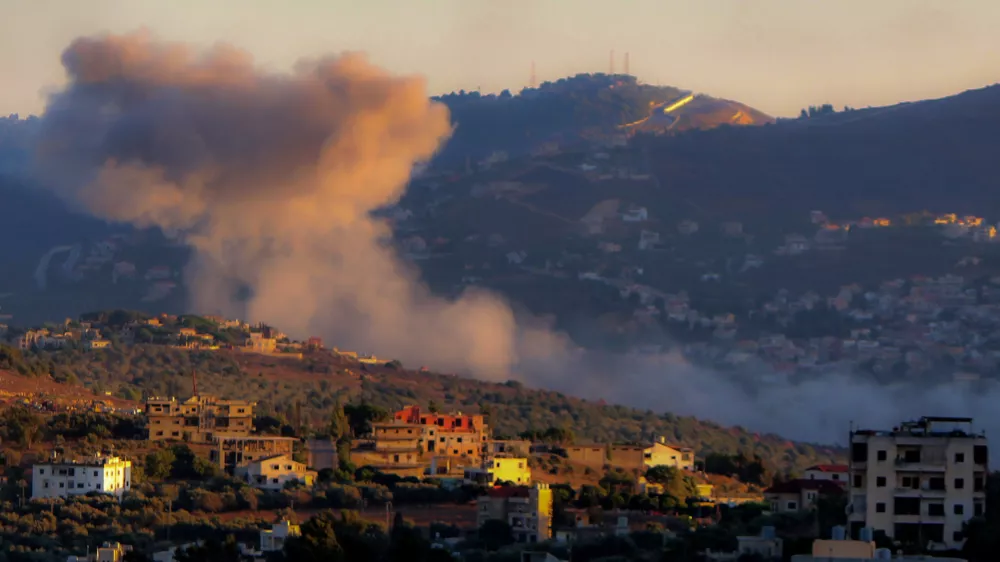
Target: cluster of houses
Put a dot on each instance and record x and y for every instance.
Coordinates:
(165, 329)
(943, 326)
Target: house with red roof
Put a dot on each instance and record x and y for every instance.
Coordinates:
(834, 472)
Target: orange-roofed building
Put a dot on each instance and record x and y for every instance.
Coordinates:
(457, 422)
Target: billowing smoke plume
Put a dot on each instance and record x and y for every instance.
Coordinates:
(270, 178)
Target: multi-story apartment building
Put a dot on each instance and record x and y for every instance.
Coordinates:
(408, 443)
(199, 419)
(108, 475)
(528, 510)
(920, 482)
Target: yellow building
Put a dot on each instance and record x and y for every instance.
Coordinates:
(528, 510)
(199, 419)
(513, 470)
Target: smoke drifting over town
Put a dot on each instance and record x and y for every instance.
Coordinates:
(271, 179)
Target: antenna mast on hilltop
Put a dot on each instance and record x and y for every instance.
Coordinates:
(533, 82)
(626, 63)
(611, 63)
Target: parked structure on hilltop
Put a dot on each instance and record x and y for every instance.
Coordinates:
(106, 475)
(199, 419)
(920, 482)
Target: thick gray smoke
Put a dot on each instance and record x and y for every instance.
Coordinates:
(271, 179)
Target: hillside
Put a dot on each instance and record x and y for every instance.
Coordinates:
(934, 155)
(586, 107)
(283, 386)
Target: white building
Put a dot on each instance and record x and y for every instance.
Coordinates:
(834, 472)
(920, 482)
(273, 539)
(108, 475)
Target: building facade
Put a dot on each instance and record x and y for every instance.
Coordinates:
(107, 475)
(273, 473)
(920, 482)
(199, 419)
(528, 510)
(833, 472)
(513, 470)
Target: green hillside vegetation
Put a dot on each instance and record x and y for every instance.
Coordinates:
(302, 393)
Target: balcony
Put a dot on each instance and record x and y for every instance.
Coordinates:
(923, 492)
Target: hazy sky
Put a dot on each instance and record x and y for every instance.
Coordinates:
(776, 55)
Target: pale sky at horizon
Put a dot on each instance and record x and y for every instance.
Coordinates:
(775, 55)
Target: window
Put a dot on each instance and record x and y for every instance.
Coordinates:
(880, 507)
(959, 483)
(836, 477)
(959, 509)
(857, 481)
(882, 455)
(880, 481)
(935, 509)
(957, 536)
(936, 483)
(41, 471)
(959, 457)
(791, 506)
(95, 474)
(62, 485)
(977, 509)
(859, 452)
(980, 454)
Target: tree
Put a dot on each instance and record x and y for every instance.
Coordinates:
(160, 463)
(361, 416)
(213, 550)
(317, 543)
(21, 425)
(495, 533)
(433, 407)
(339, 428)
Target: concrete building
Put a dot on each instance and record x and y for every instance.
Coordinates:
(321, 454)
(799, 495)
(230, 452)
(920, 482)
(834, 472)
(107, 552)
(847, 550)
(273, 539)
(199, 419)
(514, 470)
(528, 511)
(273, 473)
(108, 475)
(633, 457)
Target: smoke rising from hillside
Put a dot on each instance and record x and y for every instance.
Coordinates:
(270, 178)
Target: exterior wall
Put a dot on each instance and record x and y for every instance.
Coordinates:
(231, 452)
(823, 475)
(273, 473)
(514, 470)
(592, 455)
(946, 483)
(627, 457)
(200, 419)
(61, 480)
(843, 549)
(664, 455)
(528, 512)
(785, 503)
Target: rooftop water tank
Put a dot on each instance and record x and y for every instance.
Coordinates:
(839, 533)
(865, 534)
